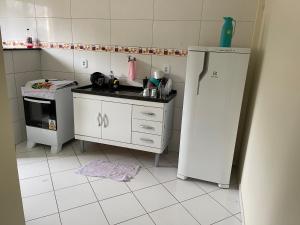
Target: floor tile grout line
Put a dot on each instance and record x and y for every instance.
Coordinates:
(101, 200)
(29, 196)
(182, 205)
(54, 191)
(92, 189)
(140, 203)
(49, 173)
(75, 185)
(40, 217)
(221, 205)
(27, 178)
(189, 213)
(222, 220)
(239, 219)
(79, 206)
(146, 214)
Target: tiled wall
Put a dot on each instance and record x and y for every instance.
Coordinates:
(147, 23)
(20, 67)
(142, 23)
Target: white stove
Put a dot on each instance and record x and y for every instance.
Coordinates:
(48, 107)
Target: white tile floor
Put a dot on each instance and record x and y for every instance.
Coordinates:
(53, 194)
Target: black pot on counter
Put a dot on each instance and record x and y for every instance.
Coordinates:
(99, 80)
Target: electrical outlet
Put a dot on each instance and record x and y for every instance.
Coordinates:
(84, 63)
(167, 69)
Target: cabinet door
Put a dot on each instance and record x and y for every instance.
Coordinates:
(116, 121)
(87, 117)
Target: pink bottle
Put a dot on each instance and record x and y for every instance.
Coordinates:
(131, 68)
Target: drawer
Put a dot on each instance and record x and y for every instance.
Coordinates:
(146, 140)
(147, 113)
(146, 126)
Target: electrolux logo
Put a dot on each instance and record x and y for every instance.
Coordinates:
(215, 74)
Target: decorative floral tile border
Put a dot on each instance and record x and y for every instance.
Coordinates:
(100, 48)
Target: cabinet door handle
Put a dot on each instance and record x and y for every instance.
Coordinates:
(148, 113)
(147, 140)
(100, 120)
(146, 127)
(106, 121)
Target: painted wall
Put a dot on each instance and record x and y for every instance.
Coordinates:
(11, 211)
(174, 24)
(270, 179)
(20, 67)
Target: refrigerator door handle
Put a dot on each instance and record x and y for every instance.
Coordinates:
(204, 70)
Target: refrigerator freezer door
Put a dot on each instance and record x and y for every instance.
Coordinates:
(210, 118)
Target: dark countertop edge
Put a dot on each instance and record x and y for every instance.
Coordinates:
(111, 94)
(20, 49)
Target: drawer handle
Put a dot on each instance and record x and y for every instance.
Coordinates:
(146, 140)
(148, 113)
(146, 127)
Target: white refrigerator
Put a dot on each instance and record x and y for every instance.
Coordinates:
(215, 80)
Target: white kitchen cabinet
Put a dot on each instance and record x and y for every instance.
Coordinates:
(135, 124)
(116, 121)
(87, 119)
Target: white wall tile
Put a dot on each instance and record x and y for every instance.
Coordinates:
(179, 87)
(19, 131)
(57, 75)
(175, 140)
(15, 28)
(25, 61)
(83, 79)
(177, 9)
(244, 34)
(132, 9)
(8, 62)
(22, 78)
(211, 31)
(177, 118)
(21, 108)
(97, 62)
(90, 9)
(14, 110)
(175, 34)
(11, 86)
(57, 60)
(238, 9)
(53, 8)
(91, 31)
(54, 30)
(131, 32)
(119, 65)
(177, 66)
(15, 8)
(137, 82)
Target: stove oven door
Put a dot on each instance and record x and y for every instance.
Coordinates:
(40, 113)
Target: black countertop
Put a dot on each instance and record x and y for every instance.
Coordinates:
(129, 92)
